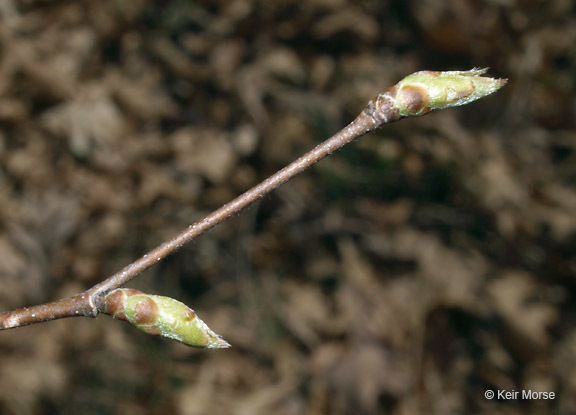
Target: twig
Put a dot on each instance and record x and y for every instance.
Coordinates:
(415, 95)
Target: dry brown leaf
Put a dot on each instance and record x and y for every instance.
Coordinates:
(142, 97)
(25, 380)
(454, 276)
(512, 294)
(307, 312)
(348, 19)
(91, 122)
(205, 152)
(362, 373)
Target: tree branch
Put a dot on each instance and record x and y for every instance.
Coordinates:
(415, 95)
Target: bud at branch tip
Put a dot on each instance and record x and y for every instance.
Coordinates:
(425, 91)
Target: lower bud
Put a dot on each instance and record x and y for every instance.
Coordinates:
(163, 316)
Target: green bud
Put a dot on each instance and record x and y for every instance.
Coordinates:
(425, 91)
(162, 316)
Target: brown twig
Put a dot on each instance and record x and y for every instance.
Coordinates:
(79, 305)
(415, 95)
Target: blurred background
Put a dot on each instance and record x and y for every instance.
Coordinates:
(408, 273)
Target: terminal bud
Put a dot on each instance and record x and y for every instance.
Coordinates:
(425, 91)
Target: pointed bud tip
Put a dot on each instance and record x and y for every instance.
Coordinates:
(218, 343)
(501, 82)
